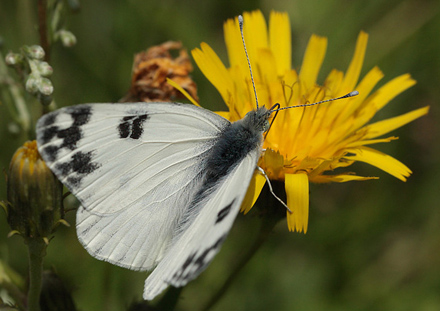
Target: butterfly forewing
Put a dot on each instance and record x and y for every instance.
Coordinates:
(134, 169)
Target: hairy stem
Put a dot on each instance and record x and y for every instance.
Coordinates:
(37, 250)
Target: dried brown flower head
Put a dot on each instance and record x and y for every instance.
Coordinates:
(151, 69)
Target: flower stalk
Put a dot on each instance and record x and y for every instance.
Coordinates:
(37, 251)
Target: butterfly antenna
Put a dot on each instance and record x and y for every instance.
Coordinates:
(351, 94)
(240, 22)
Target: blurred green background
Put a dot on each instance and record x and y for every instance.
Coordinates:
(371, 245)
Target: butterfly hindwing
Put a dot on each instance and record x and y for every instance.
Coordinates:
(134, 169)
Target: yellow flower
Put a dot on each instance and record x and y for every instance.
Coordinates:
(304, 144)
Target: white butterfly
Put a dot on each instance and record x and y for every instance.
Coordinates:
(159, 183)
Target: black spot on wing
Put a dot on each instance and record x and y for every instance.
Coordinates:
(79, 166)
(74, 182)
(49, 153)
(70, 135)
(49, 133)
(50, 118)
(124, 127)
(132, 126)
(73, 134)
(80, 115)
(80, 163)
(196, 262)
(138, 124)
(224, 212)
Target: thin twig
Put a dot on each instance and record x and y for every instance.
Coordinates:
(42, 27)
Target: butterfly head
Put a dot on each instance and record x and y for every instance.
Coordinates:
(258, 120)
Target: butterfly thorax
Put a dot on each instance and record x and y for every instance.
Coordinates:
(235, 142)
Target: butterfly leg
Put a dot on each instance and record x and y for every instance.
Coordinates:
(271, 190)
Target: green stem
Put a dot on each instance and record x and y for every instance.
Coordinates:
(37, 250)
(267, 225)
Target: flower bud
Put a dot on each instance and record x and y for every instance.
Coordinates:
(45, 69)
(34, 51)
(34, 194)
(13, 59)
(67, 38)
(45, 86)
(32, 83)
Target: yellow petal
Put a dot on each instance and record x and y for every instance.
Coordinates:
(181, 90)
(213, 69)
(390, 90)
(234, 43)
(297, 190)
(356, 103)
(255, 32)
(224, 114)
(255, 35)
(385, 126)
(354, 69)
(339, 178)
(380, 160)
(312, 61)
(333, 81)
(321, 168)
(358, 143)
(266, 70)
(367, 84)
(253, 192)
(380, 98)
(280, 41)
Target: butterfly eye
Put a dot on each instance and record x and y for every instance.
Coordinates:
(266, 126)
